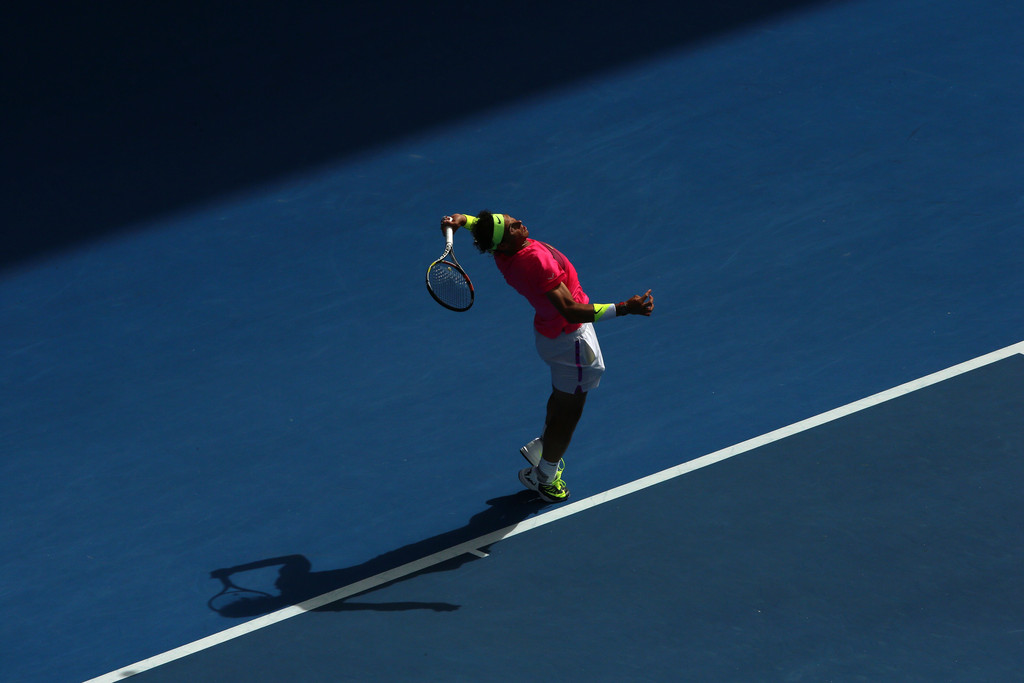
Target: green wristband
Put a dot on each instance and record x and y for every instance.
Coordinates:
(602, 311)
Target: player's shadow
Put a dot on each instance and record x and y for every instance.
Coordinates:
(296, 581)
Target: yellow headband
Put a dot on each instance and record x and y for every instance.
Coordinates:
(499, 230)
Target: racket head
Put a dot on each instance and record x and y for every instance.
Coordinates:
(448, 283)
(235, 601)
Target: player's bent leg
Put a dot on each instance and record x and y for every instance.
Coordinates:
(563, 414)
(545, 477)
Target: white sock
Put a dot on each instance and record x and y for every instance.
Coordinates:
(546, 471)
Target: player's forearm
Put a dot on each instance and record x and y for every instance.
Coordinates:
(635, 305)
(591, 313)
(578, 313)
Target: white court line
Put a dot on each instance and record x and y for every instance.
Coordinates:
(473, 547)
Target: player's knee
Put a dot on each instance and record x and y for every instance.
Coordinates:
(566, 408)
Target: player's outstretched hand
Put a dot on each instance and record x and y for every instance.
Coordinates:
(640, 305)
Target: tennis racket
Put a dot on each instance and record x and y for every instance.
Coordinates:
(447, 282)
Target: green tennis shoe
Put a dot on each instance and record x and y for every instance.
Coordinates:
(554, 491)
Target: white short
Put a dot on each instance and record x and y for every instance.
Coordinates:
(575, 359)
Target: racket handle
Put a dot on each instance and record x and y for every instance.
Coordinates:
(449, 236)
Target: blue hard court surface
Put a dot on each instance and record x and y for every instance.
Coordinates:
(217, 349)
(882, 546)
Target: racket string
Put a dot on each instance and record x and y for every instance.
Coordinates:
(450, 285)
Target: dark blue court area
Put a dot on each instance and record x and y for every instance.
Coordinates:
(239, 441)
(882, 546)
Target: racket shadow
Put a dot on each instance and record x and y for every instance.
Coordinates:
(296, 581)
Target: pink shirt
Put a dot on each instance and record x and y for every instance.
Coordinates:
(535, 270)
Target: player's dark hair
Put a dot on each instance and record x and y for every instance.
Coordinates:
(483, 232)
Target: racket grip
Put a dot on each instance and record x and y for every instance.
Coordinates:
(449, 235)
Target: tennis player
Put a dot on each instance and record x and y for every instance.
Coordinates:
(565, 335)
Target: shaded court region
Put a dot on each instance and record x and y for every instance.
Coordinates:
(885, 545)
(125, 112)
